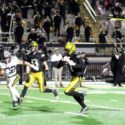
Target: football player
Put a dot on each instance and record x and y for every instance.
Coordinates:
(37, 59)
(76, 67)
(9, 69)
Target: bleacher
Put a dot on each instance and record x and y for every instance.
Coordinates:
(98, 54)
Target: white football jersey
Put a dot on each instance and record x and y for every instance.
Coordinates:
(10, 68)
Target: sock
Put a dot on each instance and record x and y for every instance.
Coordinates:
(80, 101)
(79, 97)
(24, 91)
(48, 90)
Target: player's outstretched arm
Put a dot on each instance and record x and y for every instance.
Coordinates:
(28, 64)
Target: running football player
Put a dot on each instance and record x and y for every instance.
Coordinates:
(37, 59)
(76, 67)
(9, 68)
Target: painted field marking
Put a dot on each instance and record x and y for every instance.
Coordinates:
(77, 114)
(1, 101)
(114, 100)
(28, 101)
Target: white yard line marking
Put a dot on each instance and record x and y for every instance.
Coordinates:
(1, 101)
(76, 114)
(105, 107)
(69, 102)
(29, 101)
(114, 100)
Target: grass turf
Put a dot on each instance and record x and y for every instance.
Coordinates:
(106, 107)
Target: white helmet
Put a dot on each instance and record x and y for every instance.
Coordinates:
(7, 54)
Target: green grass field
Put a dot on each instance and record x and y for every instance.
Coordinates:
(106, 107)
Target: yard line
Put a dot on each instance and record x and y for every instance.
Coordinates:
(77, 114)
(28, 101)
(69, 102)
(1, 101)
(105, 107)
(114, 100)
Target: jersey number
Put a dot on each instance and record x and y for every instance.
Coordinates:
(11, 69)
(35, 62)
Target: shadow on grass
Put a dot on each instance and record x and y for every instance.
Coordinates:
(85, 121)
(40, 109)
(21, 110)
(12, 112)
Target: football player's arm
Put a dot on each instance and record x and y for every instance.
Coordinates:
(69, 61)
(27, 69)
(46, 65)
(2, 70)
(21, 62)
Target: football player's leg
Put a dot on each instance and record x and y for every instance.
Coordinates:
(12, 91)
(28, 83)
(73, 85)
(71, 90)
(14, 85)
(41, 80)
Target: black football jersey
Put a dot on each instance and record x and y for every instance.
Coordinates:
(36, 59)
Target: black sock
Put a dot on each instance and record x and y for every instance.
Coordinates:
(24, 91)
(48, 90)
(79, 97)
(80, 101)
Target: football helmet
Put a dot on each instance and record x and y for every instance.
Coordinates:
(70, 48)
(34, 44)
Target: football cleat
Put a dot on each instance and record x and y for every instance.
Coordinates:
(14, 103)
(55, 93)
(18, 101)
(84, 109)
(21, 100)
